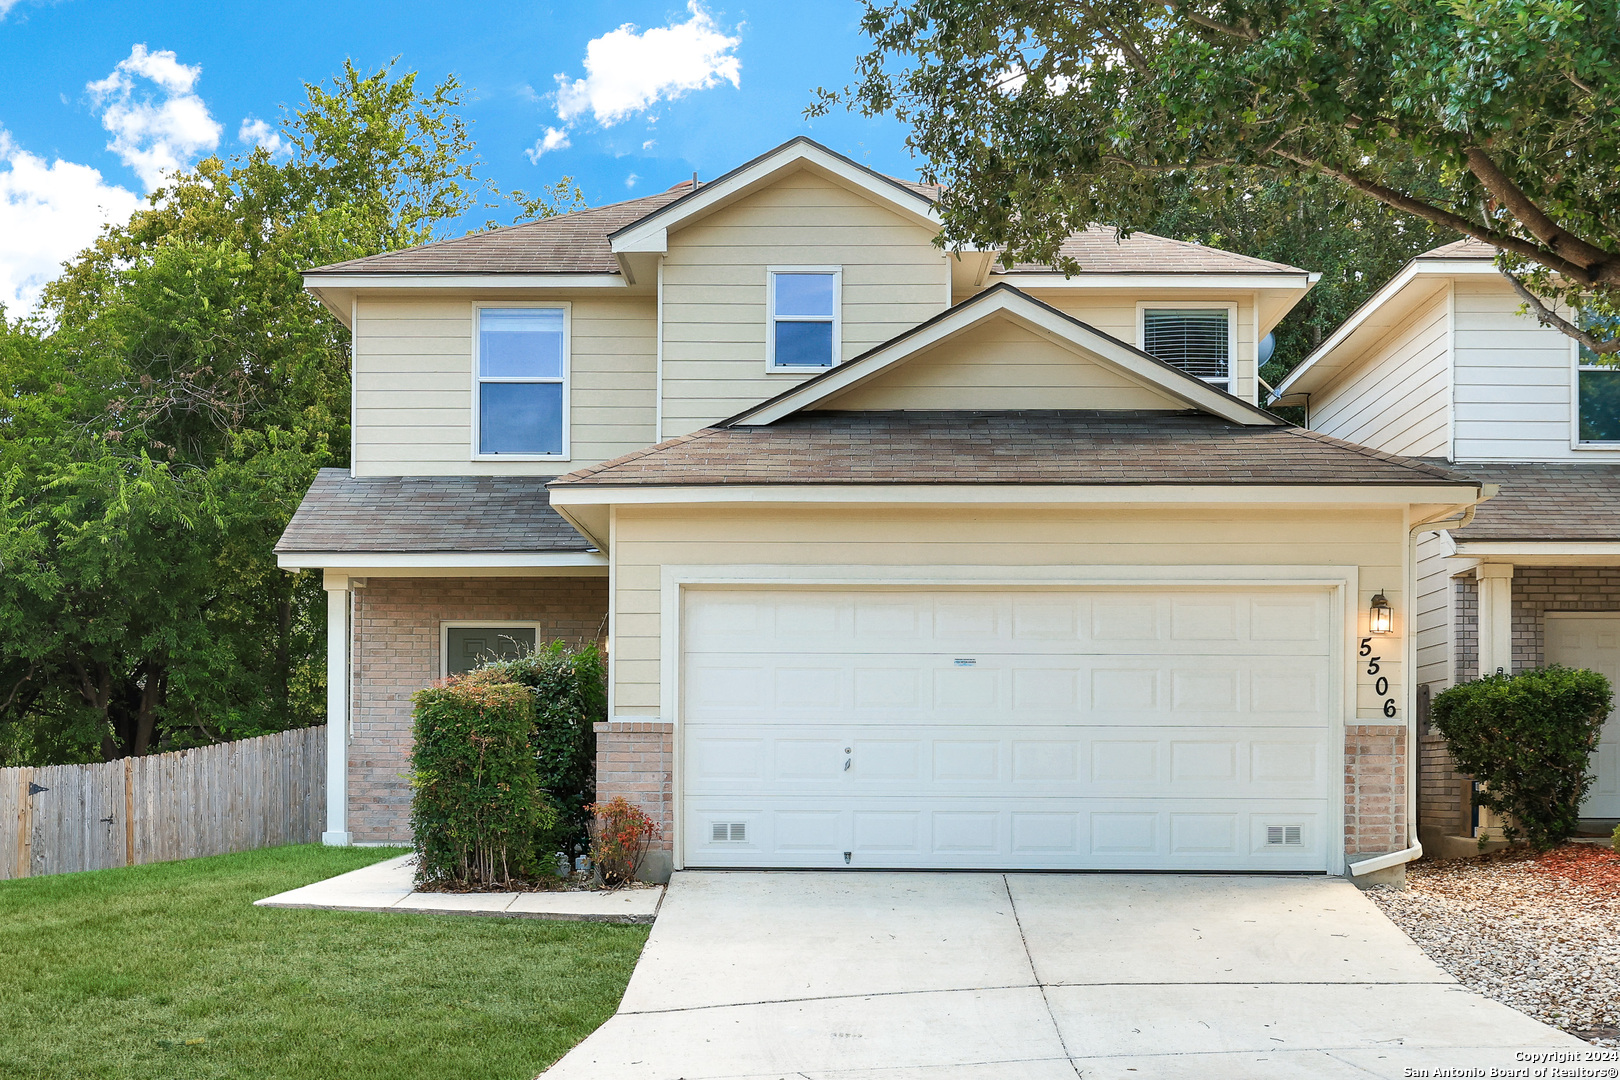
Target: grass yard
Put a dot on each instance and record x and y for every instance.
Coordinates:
(169, 972)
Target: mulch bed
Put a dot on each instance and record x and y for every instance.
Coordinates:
(1538, 932)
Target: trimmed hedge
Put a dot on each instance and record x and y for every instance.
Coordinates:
(478, 804)
(570, 698)
(1528, 739)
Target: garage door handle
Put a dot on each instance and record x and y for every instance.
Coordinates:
(846, 764)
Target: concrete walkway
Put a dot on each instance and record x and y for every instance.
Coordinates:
(818, 976)
(387, 886)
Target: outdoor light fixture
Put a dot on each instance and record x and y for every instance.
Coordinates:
(1378, 615)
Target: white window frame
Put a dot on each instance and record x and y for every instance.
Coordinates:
(567, 379)
(1575, 368)
(771, 272)
(447, 625)
(1228, 384)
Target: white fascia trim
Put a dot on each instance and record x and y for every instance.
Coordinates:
(1083, 280)
(654, 235)
(1531, 549)
(1455, 496)
(481, 282)
(1036, 317)
(1415, 269)
(301, 560)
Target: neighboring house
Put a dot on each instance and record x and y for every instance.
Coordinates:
(902, 560)
(1441, 364)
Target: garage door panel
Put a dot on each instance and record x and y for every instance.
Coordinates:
(761, 760)
(922, 688)
(1020, 623)
(1090, 728)
(1051, 833)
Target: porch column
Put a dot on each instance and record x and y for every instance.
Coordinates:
(1495, 617)
(337, 711)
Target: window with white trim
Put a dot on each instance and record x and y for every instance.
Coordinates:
(803, 316)
(521, 401)
(1198, 340)
(470, 646)
(1597, 388)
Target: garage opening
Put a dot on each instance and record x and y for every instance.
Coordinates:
(1095, 728)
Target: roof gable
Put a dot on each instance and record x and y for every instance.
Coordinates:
(650, 234)
(1002, 362)
(1105, 360)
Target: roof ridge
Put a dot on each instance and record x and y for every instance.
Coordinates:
(1415, 464)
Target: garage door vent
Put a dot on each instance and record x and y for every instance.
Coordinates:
(728, 832)
(1283, 836)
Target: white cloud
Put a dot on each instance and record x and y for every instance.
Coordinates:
(48, 214)
(630, 181)
(7, 5)
(259, 133)
(627, 71)
(553, 139)
(154, 132)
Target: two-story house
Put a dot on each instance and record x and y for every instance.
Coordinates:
(1442, 364)
(901, 558)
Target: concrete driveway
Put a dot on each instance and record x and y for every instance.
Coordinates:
(1037, 976)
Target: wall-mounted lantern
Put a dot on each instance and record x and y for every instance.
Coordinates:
(1378, 616)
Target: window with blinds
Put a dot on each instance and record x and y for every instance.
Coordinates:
(1196, 340)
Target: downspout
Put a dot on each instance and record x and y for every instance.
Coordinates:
(1415, 848)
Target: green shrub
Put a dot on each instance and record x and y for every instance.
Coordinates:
(478, 805)
(570, 697)
(1615, 839)
(1527, 738)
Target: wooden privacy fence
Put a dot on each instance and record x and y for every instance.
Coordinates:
(231, 797)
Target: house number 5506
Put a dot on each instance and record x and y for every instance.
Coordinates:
(1381, 686)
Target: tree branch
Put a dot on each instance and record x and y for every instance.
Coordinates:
(1208, 23)
(1420, 209)
(1547, 317)
(1559, 240)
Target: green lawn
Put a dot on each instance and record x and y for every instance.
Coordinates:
(168, 971)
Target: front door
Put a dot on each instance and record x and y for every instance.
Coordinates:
(1581, 640)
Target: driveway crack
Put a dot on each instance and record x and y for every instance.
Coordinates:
(1029, 958)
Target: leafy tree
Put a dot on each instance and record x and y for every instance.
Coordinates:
(163, 412)
(1493, 119)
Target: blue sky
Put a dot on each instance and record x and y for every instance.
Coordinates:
(98, 97)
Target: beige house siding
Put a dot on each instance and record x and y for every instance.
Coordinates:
(984, 538)
(714, 289)
(1001, 365)
(1433, 617)
(413, 385)
(1395, 399)
(1513, 381)
(1114, 313)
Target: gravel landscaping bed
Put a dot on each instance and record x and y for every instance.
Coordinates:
(1539, 933)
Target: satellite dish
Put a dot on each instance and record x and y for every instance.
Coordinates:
(1268, 345)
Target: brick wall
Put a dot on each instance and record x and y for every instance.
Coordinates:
(1445, 796)
(1374, 789)
(1536, 591)
(396, 653)
(636, 759)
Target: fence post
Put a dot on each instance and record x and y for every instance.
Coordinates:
(129, 811)
(25, 822)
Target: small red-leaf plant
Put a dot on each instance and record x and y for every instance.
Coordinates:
(619, 840)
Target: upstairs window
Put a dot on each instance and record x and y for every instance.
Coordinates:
(1198, 340)
(1598, 388)
(804, 325)
(522, 369)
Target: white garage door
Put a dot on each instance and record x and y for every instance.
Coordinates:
(1097, 728)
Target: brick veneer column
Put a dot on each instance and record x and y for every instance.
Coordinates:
(1374, 789)
(396, 653)
(636, 759)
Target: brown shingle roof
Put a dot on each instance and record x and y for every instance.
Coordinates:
(1466, 248)
(1099, 250)
(1024, 447)
(425, 514)
(1547, 502)
(575, 243)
